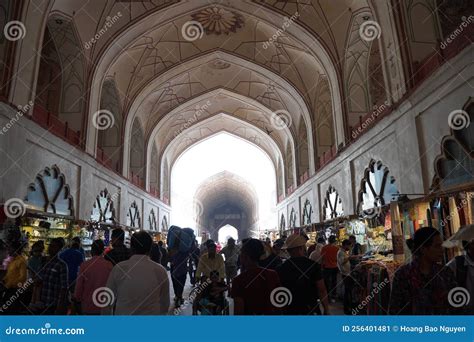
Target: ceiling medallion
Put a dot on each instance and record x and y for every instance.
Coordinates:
(219, 64)
(218, 20)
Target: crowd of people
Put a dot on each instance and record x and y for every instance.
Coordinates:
(254, 273)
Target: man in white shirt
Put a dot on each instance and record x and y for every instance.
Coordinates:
(316, 254)
(463, 268)
(139, 286)
(344, 265)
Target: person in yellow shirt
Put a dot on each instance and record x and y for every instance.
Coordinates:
(209, 262)
(15, 279)
(16, 270)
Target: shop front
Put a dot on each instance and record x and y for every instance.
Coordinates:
(49, 210)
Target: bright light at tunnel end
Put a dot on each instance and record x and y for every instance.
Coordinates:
(222, 152)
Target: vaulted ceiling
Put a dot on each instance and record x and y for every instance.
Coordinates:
(171, 73)
(226, 190)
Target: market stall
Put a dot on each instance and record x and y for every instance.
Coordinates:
(37, 226)
(49, 211)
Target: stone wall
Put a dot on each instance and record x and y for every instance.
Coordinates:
(407, 142)
(26, 149)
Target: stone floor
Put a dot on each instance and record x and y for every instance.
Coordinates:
(186, 308)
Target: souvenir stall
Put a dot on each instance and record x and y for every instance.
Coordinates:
(379, 218)
(36, 225)
(49, 209)
(453, 185)
(377, 266)
(272, 234)
(327, 228)
(102, 221)
(157, 236)
(446, 211)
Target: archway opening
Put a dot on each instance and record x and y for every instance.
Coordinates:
(228, 158)
(226, 232)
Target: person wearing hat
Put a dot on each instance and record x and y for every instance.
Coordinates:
(273, 261)
(303, 278)
(210, 261)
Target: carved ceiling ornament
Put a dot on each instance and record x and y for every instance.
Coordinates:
(216, 20)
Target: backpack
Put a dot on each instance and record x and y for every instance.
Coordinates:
(186, 240)
(172, 240)
(461, 271)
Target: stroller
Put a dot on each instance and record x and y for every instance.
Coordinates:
(209, 297)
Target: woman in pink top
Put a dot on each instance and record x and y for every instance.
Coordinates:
(93, 274)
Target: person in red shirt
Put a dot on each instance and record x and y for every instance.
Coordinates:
(93, 275)
(330, 269)
(252, 289)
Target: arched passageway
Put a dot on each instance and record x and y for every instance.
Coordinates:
(214, 184)
(226, 232)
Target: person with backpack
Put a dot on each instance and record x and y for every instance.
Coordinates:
(463, 269)
(193, 262)
(180, 242)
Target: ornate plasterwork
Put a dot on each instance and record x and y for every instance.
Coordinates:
(50, 193)
(217, 20)
(378, 188)
(455, 165)
(332, 204)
